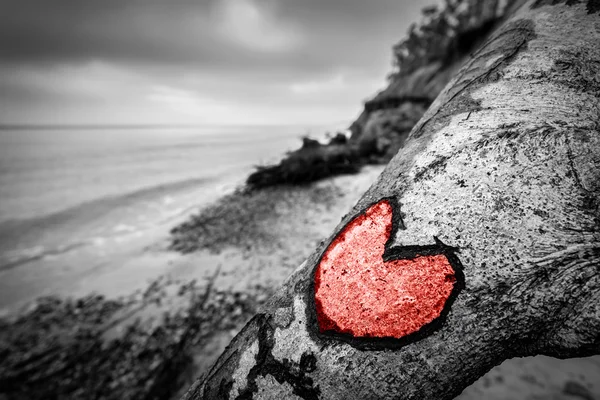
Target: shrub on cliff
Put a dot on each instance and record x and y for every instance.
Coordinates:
(424, 63)
(313, 161)
(445, 33)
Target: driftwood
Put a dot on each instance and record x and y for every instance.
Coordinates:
(502, 176)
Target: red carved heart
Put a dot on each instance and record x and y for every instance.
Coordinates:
(360, 294)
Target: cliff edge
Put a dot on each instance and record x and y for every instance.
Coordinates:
(424, 62)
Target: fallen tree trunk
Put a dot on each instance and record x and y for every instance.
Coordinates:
(479, 242)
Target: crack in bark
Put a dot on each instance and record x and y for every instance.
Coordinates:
(438, 164)
(490, 41)
(565, 252)
(590, 198)
(572, 278)
(569, 154)
(283, 371)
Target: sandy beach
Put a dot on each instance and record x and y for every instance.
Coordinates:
(300, 218)
(279, 228)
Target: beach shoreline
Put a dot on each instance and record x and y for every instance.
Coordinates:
(241, 274)
(76, 202)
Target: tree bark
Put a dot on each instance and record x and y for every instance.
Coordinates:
(504, 170)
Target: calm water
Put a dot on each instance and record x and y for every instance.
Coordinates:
(61, 189)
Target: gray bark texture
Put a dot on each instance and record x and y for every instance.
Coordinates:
(504, 165)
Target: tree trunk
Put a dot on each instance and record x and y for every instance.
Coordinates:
(487, 221)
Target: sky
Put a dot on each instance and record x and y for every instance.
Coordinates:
(214, 62)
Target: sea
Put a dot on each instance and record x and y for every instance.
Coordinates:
(66, 188)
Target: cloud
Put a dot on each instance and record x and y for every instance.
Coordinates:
(92, 81)
(189, 103)
(254, 25)
(279, 36)
(337, 82)
(143, 61)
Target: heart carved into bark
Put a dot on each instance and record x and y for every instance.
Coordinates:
(370, 294)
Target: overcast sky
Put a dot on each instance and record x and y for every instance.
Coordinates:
(195, 61)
